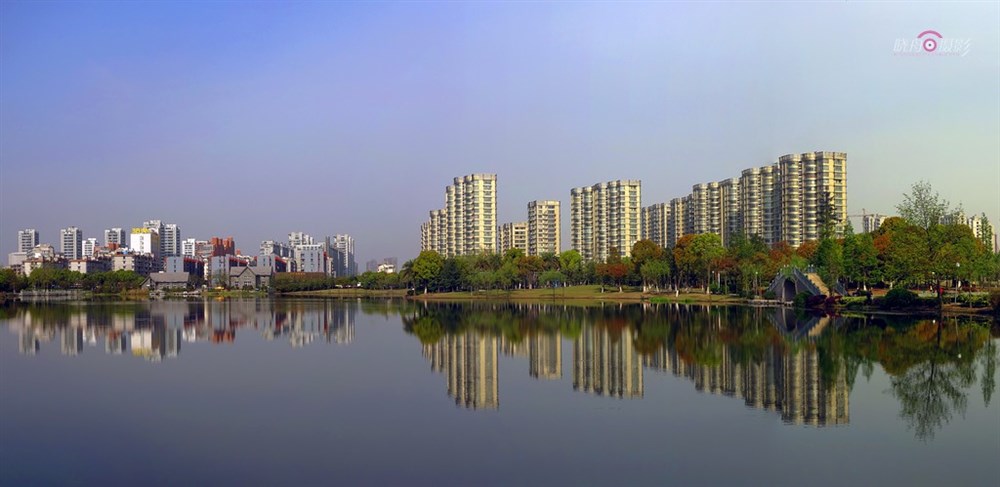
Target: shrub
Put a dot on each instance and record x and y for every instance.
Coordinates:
(769, 295)
(995, 301)
(899, 298)
(974, 300)
(800, 300)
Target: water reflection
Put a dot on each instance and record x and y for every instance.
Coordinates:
(801, 367)
(154, 331)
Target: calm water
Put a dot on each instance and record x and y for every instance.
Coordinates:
(320, 392)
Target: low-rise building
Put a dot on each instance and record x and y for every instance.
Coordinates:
(91, 265)
(142, 264)
(250, 277)
(167, 280)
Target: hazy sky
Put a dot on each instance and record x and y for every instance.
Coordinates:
(257, 119)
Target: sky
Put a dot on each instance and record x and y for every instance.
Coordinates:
(255, 119)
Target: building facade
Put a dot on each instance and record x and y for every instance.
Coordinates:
(341, 247)
(606, 217)
(785, 201)
(145, 240)
(544, 227)
(89, 247)
(512, 236)
(656, 223)
(27, 239)
(71, 240)
(115, 237)
(467, 224)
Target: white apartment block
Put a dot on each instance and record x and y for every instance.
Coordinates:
(170, 240)
(512, 236)
(343, 246)
(27, 239)
(299, 238)
(807, 181)
(656, 223)
(544, 227)
(467, 224)
(71, 240)
(783, 201)
(606, 216)
(188, 247)
(115, 236)
(870, 223)
(145, 240)
(89, 247)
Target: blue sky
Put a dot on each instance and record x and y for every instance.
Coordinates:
(257, 119)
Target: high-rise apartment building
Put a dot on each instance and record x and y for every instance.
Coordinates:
(870, 223)
(544, 227)
(170, 240)
(606, 217)
(784, 201)
(676, 221)
(512, 236)
(115, 237)
(188, 247)
(341, 247)
(299, 238)
(145, 240)
(810, 182)
(467, 223)
(656, 223)
(27, 239)
(88, 248)
(72, 242)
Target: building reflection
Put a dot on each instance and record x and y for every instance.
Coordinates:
(545, 356)
(470, 362)
(607, 364)
(156, 330)
(786, 382)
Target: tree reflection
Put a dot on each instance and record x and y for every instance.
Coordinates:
(931, 391)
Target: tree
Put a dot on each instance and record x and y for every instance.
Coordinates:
(10, 281)
(860, 256)
(922, 207)
(903, 251)
(826, 216)
(655, 272)
(986, 234)
(829, 260)
(571, 264)
(697, 255)
(528, 268)
(551, 277)
(644, 251)
(426, 268)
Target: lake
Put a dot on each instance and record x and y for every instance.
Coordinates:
(286, 391)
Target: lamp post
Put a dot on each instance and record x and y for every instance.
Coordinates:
(958, 283)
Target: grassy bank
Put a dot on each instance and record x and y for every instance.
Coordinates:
(574, 293)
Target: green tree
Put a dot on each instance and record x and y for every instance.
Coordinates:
(986, 234)
(571, 264)
(426, 268)
(644, 251)
(551, 277)
(10, 281)
(860, 257)
(829, 260)
(903, 251)
(922, 207)
(699, 255)
(655, 273)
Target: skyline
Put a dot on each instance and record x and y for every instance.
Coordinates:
(353, 118)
